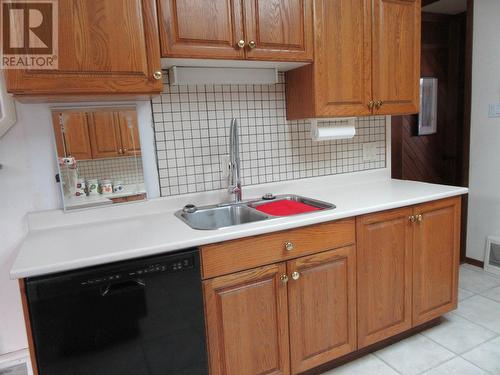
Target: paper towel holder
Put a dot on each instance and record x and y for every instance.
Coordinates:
(345, 121)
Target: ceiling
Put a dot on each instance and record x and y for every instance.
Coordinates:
(446, 7)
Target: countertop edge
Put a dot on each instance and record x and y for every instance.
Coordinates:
(222, 235)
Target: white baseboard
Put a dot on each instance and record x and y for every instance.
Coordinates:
(16, 358)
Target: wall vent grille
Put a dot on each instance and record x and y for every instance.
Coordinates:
(492, 259)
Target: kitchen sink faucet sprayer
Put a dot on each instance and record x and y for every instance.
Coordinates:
(234, 161)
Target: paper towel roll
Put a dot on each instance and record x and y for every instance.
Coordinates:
(344, 130)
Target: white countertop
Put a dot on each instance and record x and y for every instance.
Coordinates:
(106, 235)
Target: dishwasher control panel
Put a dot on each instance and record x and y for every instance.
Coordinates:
(176, 265)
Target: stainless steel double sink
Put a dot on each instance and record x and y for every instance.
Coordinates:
(230, 214)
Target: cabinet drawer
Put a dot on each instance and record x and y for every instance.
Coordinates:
(232, 256)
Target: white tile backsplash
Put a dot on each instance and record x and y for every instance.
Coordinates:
(126, 169)
(192, 129)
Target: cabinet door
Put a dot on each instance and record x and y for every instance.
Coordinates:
(207, 29)
(247, 322)
(343, 57)
(435, 259)
(129, 133)
(105, 47)
(384, 269)
(280, 30)
(322, 307)
(72, 139)
(396, 55)
(104, 135)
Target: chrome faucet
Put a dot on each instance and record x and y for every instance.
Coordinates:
(234, 161)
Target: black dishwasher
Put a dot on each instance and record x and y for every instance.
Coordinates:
(139, 317)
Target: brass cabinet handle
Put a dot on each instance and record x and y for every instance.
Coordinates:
(289, 246)
(252, 44)
(157, 75)
(419, 218)
(378, 104)
(412, 218)
(295, 275)
(240, 44)
(371, 104)
(284, 279)
(120, 151)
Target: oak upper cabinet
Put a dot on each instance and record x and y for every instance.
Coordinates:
(338, 83)
(322, 307)
(367, 61)
(396, 56)
(202, 29)
(279, 30)
(129, 133)
(107, 48)
(247, 322)
(384, 272)
(236, 29)
(105, 135)
(72, 135)
(435, 259)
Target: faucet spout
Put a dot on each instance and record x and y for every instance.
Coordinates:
(234, 162)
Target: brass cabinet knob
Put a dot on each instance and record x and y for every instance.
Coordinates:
(289, 246)
(120, 151)
(412, 218)
(419, 218)
(252, 44)
(240, 44)
(157, 75)
(378, 104)
(371, 104)
(284, 279)
(295, 275)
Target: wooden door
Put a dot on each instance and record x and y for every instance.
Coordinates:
(129, 133)
(72, 139)
(279, 30)
(396, 55)
(436, 244)
(343, 57)
(247, 322)
(384, 271)
(322, 307)
(105, 135)
(105, 47)
(207, 29)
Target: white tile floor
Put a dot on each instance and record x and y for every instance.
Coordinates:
(467, 342)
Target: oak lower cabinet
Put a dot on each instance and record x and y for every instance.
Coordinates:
(324, 291)
(384, 272)
(283, 318)
(247, 322)
(322, 307)
(436, 253)
(407, 267)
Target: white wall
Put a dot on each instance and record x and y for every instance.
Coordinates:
(484, 196)
(27, 183)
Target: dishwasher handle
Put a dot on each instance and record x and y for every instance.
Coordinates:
(122, 287)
